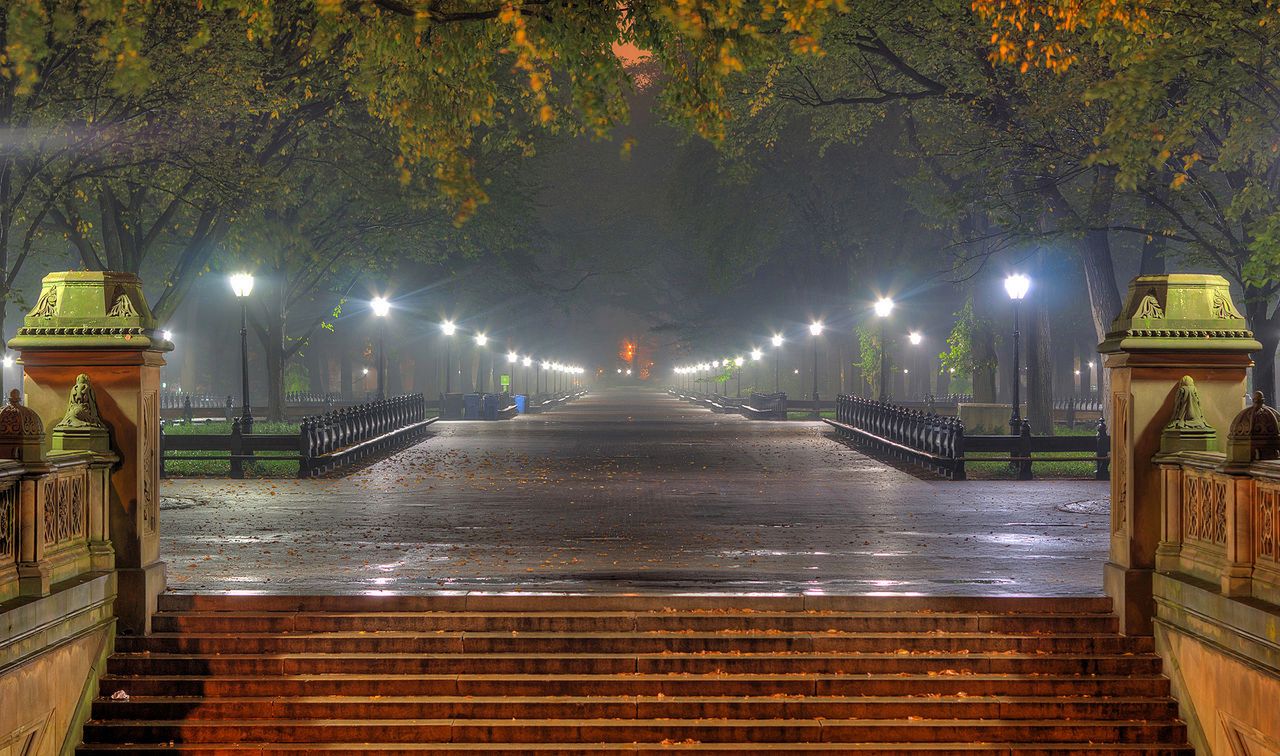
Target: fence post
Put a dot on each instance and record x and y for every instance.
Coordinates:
(957, 451)
(237, 449)
(231, 413)
(1103, 469)
(1024, 451)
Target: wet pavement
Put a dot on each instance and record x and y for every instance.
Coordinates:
(629, 490)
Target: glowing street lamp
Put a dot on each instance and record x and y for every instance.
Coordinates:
(777, 353)
(1016, 286)
(242, 287)
(381, 307)
(883, 307)
(448, 328)
(815, 330)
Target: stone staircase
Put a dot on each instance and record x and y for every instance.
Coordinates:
(633, 674)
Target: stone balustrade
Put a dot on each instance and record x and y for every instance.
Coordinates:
(53, 521)
(1219, 523)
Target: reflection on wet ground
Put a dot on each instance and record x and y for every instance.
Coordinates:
(634, 491)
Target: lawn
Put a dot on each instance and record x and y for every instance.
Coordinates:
(214, 468)
(1046, 469)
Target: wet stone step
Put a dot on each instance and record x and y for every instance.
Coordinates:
(775, 706)
(560, 643)
(706, 663)
(633, 684)
(617, 731)
(559, 749)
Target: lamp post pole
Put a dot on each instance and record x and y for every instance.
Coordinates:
(242, 286)
(884, 359)
(246, 420)
(1015, 416)
(777, 362)
(1016, 286)
(883, 307)
(815, 330)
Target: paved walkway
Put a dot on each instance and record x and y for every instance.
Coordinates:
(628, 490)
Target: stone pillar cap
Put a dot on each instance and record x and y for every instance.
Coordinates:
(1255, 433)
(21, 431)
(90, 309)
(1179, 312)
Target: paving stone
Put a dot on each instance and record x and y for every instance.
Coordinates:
(630, 490)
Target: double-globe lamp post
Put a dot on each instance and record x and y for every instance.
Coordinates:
(381, 307)
(242, 287)
(1016, 286)
(883, 307)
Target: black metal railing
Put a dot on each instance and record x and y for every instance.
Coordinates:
(939, 443)
(322, 443)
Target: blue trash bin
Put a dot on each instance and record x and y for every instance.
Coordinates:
(522, 403)
(471, 407)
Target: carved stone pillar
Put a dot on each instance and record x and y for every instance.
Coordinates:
(99, 324)
(1171, 326)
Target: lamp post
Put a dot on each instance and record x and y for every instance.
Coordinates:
(1016, 286)
(738, 362)
(481, 340)
(242, 287)
(777, 355)
(884, 306)
(448, 328)
(756, 356)
(526, 362)
(815, 330)
(915, 338)
(512, 359)
(381, 307)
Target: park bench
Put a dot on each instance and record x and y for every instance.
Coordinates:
(765, 406)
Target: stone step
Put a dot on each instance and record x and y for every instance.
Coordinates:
(635, 684)
(634, 730)
(559, 749)
(629, 603)
(145, 663)
(610, 643)
(777, 706)
(882, 622)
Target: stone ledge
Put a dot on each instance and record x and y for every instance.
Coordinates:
(1244, 628)
(31, 626)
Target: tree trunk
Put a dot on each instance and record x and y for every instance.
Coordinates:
(317, 382)
(344, 373)
(984, 353)
(1265, 330)
(1039, 369)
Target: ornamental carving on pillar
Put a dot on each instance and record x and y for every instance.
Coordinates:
(122, 306)
(1149, 308)
(1120, 465)
(149, 469)
(1255, 433)
(9, 522)
(47, 304)
(1223, 308)
(82, 407)
(1204, 509)
(1267, 522)
(64, 509)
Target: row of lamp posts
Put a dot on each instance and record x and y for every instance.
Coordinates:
(1016, 286)
(242, 287)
